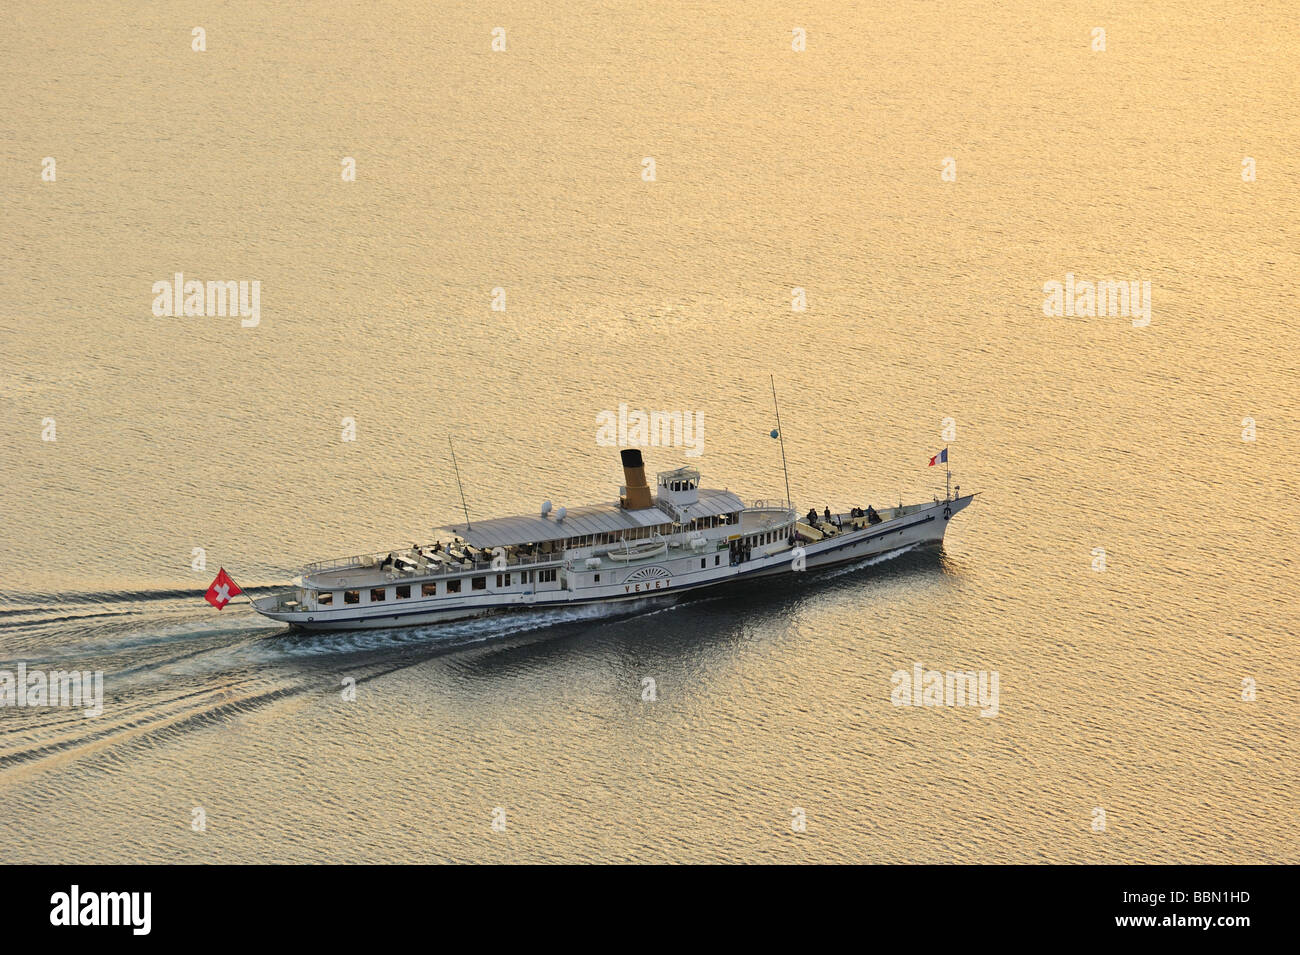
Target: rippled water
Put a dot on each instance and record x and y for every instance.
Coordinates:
(1119, 690)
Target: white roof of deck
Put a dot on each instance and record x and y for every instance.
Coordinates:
(588, 519)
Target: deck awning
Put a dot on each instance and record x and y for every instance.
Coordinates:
(581, 521)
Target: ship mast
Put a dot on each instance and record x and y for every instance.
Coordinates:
(458, 484)
(781, 435)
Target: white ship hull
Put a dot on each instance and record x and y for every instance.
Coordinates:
(684, 567)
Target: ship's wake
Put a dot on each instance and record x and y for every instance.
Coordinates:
(168, 669)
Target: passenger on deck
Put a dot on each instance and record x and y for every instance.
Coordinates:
(828, 515)
(872, 516)
(812, 516)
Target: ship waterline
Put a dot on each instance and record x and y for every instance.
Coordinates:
(682, 537)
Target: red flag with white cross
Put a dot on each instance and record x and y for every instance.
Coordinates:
(222, 589)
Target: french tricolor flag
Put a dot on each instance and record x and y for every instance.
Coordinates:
(940, 458)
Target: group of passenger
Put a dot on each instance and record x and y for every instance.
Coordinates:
(870, 514)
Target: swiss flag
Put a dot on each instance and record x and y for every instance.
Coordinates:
(222, 589)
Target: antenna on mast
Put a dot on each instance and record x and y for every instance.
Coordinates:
(458, 484)
(781, 435)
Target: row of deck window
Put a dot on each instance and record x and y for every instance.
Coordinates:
(637, 533)
(719, 520)
(325, 598)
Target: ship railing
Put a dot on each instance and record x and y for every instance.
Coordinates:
(769, 513)
(285, 601)
(432, 568)
(339, 563)
(512, 560)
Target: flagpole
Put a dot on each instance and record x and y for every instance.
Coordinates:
(780, 433)
(947, 484)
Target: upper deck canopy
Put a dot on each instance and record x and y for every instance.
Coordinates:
(588, 519)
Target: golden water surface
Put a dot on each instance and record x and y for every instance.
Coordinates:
(524, 170)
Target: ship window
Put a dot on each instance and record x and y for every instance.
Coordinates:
(717, 560)
(545, 576)
(703, 563)
(403, 591)
(453, 586)
(429, 590)
(325, 598)
(528, 576)
(596, 578)
(503, 580)
(352, 596)
(378, 594)
(478, 583)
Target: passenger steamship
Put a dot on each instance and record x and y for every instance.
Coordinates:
(679, 537)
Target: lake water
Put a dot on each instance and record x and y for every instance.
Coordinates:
(1121, 689)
